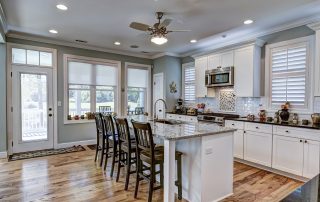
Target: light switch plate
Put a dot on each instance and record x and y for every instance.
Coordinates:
(59, 104)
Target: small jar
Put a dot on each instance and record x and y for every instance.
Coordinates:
(295, 118)
(276, 118)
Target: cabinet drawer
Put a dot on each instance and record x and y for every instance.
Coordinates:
(234, 124)
(192, 119)
(264, 128)
(171, 116)
(301, 133)
(180, 117)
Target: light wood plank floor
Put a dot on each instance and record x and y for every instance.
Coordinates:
(75, 177)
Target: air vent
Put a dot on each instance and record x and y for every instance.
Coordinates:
(81, 41)
(134, 46)
(145, 52)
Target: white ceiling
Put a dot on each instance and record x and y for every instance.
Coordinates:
(101, 22)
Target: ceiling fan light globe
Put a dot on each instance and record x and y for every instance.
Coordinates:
(159, 40)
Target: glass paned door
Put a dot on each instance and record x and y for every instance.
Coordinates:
(32, 108)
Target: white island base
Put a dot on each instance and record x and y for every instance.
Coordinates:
(207, 167)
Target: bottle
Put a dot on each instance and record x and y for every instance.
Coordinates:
(295, 118)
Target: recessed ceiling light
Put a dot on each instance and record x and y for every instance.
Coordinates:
(193, 41)
(53, 31)
(62, 7)
(117, 43)
(224, 36)
(248, 22)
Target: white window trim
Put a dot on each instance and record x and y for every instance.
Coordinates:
(310, 84)
(184, 66)
(9, 89)
(92, 60)
(149, 91)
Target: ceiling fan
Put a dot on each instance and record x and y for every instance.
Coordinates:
(158, 31)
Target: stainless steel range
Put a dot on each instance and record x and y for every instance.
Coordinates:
(217, 118)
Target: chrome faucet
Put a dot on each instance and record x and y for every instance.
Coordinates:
(155, 107)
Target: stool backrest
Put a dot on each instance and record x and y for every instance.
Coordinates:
(123, 130)
(99, 124)
(109, 126)
(143, 136)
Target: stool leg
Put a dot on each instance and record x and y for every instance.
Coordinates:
(102, 150)
(119, 164)
(113, 160)
(179, 175)
(97, 148)
(161, 174)
(151, 183)
(128, 171)
(107, 155)
(137, 178)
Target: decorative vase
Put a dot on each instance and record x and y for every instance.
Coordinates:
(284, 115)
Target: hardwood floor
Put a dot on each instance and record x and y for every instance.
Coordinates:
(75, 177)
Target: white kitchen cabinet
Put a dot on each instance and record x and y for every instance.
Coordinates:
(247, 76)
(214, 61)
(191, 119)
(238, 144)
(224, 59)
(287, 154)
(258, 147)
(171, 116)
(311, 158)
(201, 65)
(227, 59)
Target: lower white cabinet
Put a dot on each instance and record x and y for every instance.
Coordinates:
(258, 147)
(287, 154)
(296, 156)
(311, 158)
(192, 119)
(238, 144)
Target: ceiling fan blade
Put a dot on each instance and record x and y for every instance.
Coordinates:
(179, 31)
(165, 23)
(140, 26)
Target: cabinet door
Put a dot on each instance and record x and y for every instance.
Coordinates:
(311, 158)
(214, 61)
(238, 144)
(258, 147)
(243, 72)
(201, 67)
(287, 154)
(227, 59)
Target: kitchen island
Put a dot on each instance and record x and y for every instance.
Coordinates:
(207, 162)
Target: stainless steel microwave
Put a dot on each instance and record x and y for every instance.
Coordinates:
(221, 76)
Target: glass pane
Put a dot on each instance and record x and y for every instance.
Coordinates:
(105, 99)
(45, 59)
(34, 107)
(32, 57)
(79, 102)
(18, 56)
(136, 100)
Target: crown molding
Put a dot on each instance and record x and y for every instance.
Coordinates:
(165, 54)
(314, 26)
(72, 44)
(251, 37)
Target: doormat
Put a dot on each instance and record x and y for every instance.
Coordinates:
(46, 152)
(92, 147)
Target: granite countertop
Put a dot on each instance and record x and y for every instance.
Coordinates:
(299, 125)
(310, 192)
(184, 114)
(184, 130)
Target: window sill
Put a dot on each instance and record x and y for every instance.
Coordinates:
(67, 122)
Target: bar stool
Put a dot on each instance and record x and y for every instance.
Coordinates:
(112, 141)
(127, 149)
(150, 154)
(100, 136)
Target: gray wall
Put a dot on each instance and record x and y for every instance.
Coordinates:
(3, 96)
(171, 67)
(83, 131)
(187, 59)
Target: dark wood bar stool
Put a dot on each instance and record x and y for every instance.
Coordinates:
(112, 141)
(101, 139)
(126, 149)
(148, 156)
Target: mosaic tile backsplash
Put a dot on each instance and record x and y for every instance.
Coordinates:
(227, 101)
(244, 106)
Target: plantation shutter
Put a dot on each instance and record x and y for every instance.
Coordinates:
(289, 71)
(189, 84)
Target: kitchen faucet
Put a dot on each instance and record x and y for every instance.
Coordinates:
(155, 107)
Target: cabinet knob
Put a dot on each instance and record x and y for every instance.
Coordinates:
(300, 140)
(287, 131)
(232, 124)
(305, 141)
(244, 131)
(257, 127)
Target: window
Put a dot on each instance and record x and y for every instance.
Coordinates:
(138, 89)
(289, 70)
(91, 84)
(31, 57)
(189, 85)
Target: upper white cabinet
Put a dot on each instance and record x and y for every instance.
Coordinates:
(201, 65)
(247, 76)
(224, 59)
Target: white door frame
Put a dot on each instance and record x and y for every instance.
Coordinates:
(9, 91)
(149, 101)
(164, 89)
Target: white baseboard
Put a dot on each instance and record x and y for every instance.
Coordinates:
(3, 155)
(70, 144)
